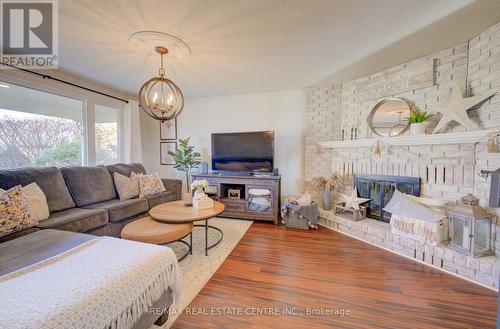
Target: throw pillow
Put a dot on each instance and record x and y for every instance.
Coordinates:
(127, 187)
(149, 184)
(403, 206)
(36, 200)
(434, 204)
(14, 212)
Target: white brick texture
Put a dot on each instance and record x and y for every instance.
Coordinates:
(447, 171)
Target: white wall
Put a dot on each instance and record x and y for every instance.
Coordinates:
(282, 112)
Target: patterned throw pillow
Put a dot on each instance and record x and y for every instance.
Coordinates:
(36, 200)
(14, 212)
(127, 187)
(149, 184)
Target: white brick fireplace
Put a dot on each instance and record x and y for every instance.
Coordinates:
(446, 171)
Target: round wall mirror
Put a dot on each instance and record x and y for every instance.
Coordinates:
(389, 117)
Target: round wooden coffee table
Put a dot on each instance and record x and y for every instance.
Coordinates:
(176, 212)
(149, 230)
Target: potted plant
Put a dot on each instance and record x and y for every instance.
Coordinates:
(327, 185)
(186, 159)
(417, 121)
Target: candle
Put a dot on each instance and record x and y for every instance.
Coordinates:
(466, 233)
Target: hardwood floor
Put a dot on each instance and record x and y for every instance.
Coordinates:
(292, 270)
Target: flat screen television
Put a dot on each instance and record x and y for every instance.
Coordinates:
(243, 151)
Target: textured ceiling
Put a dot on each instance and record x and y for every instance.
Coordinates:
(238, 46)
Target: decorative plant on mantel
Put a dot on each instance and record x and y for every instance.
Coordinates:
(327, 185)
(186, 159)
(417, 121)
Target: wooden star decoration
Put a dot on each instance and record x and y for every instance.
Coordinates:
(456, 108)
(353, 201)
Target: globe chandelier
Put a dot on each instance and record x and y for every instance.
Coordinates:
(160, 97)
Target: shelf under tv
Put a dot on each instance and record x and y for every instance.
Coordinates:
(248, 206)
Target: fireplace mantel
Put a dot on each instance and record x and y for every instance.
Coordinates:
(463, 137)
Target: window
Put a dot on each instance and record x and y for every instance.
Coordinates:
(106, 135)
(38, 128)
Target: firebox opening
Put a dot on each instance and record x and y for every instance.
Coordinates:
(379, 188)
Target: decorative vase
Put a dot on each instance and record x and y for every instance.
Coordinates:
(327, 199)
(187, 198)
(199, 194)
(417, 128)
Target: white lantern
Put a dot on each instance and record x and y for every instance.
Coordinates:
(470, 228)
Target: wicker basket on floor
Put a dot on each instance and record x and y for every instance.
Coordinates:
(296, 220)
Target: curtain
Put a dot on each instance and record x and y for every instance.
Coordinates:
(132, 133)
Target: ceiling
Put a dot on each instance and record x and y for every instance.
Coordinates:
(238, 46)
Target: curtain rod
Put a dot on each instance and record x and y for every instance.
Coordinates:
(45, 76)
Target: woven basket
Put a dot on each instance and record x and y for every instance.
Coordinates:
(296, 220)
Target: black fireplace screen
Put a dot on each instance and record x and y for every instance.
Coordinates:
(379, 188)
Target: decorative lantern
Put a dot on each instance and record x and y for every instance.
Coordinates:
(470, 228)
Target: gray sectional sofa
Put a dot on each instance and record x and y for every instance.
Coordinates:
(84, 199)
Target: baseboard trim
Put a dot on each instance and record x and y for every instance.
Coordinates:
(414, 259)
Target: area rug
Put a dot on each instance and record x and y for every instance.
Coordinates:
(197, 269)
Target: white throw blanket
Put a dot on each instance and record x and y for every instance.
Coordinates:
(418, 218)
(103, 283)
(430, 232)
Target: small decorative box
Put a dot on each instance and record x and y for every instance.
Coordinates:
(349, 213)
(233, 193)
(204, 203)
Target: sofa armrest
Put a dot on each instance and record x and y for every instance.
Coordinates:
(174, 185)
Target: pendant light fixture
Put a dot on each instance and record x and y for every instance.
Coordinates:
(160, 97)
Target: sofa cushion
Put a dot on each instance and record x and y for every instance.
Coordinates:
(89, 185)
(49, 179)
(35, 248)
(76, 220)
(118, 210)
(14, 212)
(18, 234)
(174, 186)
(126, 169)
(127, 187)
(149, 184)
(37, 202)
(154, 200)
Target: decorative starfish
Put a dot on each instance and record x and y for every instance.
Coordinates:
(456, 108)
(353, 201)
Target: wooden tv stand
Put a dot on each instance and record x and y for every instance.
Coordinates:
(243, 207)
